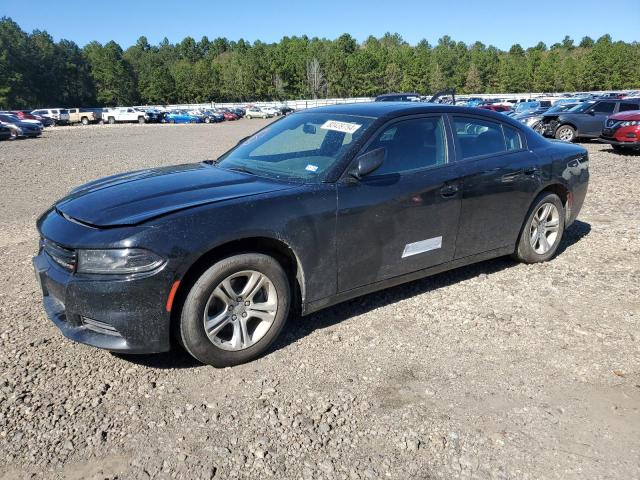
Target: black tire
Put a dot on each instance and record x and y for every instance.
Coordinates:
(84, 121)
(101, 122)
(112, 120)
(525, 251)
(619, 148)
(207, 120)
(141, 120)
(566, 133)
(14, 135)
(192, 332)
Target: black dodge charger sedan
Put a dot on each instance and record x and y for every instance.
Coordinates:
(314, 209)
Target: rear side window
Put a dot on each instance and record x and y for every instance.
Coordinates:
(412, 145)
(478, 137)
(512, 138)
(625, 107)
(604, 107)
(481, 137)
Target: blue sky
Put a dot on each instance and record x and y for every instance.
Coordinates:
(500, 23)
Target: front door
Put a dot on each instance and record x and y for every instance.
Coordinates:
(595, 117)
(402, 217)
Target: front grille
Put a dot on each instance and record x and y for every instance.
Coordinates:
(64, 257)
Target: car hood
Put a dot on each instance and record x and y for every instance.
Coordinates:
(135, 197)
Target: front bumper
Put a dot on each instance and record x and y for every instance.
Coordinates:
(613, 141)
(121, 315)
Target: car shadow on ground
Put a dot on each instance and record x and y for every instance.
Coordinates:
(625, 153)
(299, 327)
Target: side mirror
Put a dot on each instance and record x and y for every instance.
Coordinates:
(368, 162)
(309, 128)
(591, 112)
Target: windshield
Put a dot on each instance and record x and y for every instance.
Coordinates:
(301, 147)
(523, 107)
(581, 107)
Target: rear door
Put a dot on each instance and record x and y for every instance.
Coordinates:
(404, 216)
(499, 176)
(593, 120)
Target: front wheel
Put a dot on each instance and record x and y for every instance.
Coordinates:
(235, 310)
(112, 120)
(141, 120)
(542, 230)
(566, 133)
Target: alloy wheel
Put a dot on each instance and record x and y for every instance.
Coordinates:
(565, 134)
(241, 310)
(545, 226)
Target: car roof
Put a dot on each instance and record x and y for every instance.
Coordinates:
(396, 109)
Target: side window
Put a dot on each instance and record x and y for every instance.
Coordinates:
(412, 145)
(512, 138)
(625, 107)
(604, 107)
(478, 137)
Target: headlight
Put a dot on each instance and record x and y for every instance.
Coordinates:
(532, 120)
(630, 123)
(117, 261)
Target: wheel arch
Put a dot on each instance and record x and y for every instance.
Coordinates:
(560, 189)
(273, 247)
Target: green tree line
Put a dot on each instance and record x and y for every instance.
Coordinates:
(36, 71)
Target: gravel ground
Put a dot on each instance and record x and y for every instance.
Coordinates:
(499, 370)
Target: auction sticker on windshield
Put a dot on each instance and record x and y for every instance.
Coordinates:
(345, 127)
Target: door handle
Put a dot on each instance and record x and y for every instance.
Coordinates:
(449, 191)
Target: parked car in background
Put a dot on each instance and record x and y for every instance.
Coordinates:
(495, 108)
(25, 128)
(585, 120)
(622, 131)
(285, 110)
(123, 115)
(255, 112)
(153, 115)
(270, 111)
(240, 112)
(534, 118)
(399, 97)
(85, 116)
(182, 116)
(6, 132)
(60, 115)
(27, 115)
(229, 115)
(211, 116)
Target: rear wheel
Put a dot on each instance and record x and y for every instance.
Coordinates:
(112, 120)
(14, 135)
(207, 120)
(235, 310)
(566, 133)
(141, 120)
(84, 121)
(542, 230)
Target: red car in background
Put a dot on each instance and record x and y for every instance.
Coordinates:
(26, 115)
(622, 131)
(229, 115)
(496, 108)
